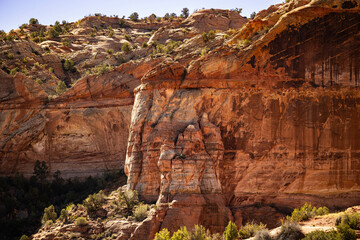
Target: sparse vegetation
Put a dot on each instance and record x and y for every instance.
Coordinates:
(101, 69)
(134, 17)
(68, 65)
(33, 21)
(140, 212)
(61, 88)
(126, 48)
(49, 214)
(208, 36)
(81, 221)
(307, 211)
(94, 202)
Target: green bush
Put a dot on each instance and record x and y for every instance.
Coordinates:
(69, 65)
(33, 21)
(289, 231)
(64, 215)
(60, 88)
(94, 201)
(180, 234)
(134, 17)
(53, 33)
(198, 233)
(127, 37)
(14, 70)
(346, 232)
(128, 200)
(208, 36)
(126, 48)
(304, 213)
(231, 232)
(251, 229)
(49, 214)
(81, 221)
(101, 69)
(140, 212)
(109, 51)
(321, 235)
(351, 219)
(262, 235)
(164, 234)
(65, 42)
(39, 81)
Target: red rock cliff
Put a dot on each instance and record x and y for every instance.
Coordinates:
(256, 127)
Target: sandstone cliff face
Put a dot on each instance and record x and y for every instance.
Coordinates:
(252, 131)
(84, 132)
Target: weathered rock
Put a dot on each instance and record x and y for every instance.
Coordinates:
(255, 130)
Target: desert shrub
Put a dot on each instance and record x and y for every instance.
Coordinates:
(211, 34)
(128, 200)
(33, 21)
(51, 70)
(68, 65)
(64, 215)
(126, 48)
(322, 211)
(14, 70)
(109, 51)
(39, 81)
(180, 234)
(345, 232)
(351, 219)
(111, 33)
(65, 42)
(164, 234)
(263, 235)
(230, 232)
(49, 214)
(24, 237)
(127, 37)
(204, 51)
(198, 233)
(101, 69)
(140, 212)
(251, 229)
(134, 17)
(304, 213)
(123, 24)
(60, 88)
(10, 56)
(289, 231)
(321, 235)
(53, 33)
(144, 45)
(81, 221)
(208, 36)
(94, 201)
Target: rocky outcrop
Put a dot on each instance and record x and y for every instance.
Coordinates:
(84, 132)
(250, 131)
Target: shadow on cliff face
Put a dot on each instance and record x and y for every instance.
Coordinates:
(325, 50)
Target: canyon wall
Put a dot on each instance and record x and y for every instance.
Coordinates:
(251, 133)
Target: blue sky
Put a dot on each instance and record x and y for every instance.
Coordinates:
(13, 13)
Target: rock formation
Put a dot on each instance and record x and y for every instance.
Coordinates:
(252, 131)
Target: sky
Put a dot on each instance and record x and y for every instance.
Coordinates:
(13, 13)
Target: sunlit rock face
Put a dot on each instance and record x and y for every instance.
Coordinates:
(251, 133)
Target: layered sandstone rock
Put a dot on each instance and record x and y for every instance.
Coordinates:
(250, 132)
